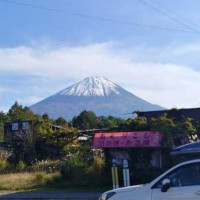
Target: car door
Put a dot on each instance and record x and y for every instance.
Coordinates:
(184, 184)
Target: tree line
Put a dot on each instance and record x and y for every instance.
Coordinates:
(172, 124)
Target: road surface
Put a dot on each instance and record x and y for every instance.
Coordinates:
(51, 195)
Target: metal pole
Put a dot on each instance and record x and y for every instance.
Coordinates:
(115, 179)
(126, 174)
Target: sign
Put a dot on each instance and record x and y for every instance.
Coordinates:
(119, 155)
(114, 162)
(125, 163)
(127, 139)
(82, 138)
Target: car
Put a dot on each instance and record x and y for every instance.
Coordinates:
(181, 182)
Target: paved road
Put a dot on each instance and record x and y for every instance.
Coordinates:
(51, 196)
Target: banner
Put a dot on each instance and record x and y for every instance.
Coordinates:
(127, 139)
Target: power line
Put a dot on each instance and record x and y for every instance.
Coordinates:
(100, 18)
(167, 15)
(172, 11)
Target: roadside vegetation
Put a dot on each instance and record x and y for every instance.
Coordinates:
(23, 180)
(38, 164)
(66, 175)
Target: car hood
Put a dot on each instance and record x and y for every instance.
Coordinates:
(125, 189)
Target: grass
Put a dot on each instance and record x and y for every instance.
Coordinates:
(38, 182)
(23, 181)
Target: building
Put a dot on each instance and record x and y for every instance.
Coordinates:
(185, 113)
(119, 145)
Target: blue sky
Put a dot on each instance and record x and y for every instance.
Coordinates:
(42, 52)
(21, 25)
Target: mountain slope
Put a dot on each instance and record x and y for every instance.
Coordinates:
(96, 94)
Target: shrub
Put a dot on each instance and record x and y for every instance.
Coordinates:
(48, 166)
(4, 154)
(73, 170)
(4, 165)
(76, 173)
(97, 175)
(39, 177)
(96, 168)
(56, 181)
(20, 166)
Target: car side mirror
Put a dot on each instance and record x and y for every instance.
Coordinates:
(165, 185)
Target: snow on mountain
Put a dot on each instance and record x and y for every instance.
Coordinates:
(96, 94)
(92, 86)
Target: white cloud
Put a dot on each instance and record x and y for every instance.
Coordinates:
(134, 69)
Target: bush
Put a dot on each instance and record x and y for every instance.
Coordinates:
(20, 166)
(97, 175)
(76, 173)
(39, 177)
(73, 171)
(48, 166)
(56, 181)
(96, 168)
(4, 165)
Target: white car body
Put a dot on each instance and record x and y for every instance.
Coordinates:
(182, 187)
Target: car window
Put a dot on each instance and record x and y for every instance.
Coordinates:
(183, 176)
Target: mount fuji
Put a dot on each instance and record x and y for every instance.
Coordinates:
(95, 94)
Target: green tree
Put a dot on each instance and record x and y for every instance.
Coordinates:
(110, 122)
(61, 122)
(86, 120)
(176, 130)
(17, 112)
(3, 118)
(186, 130)
(166, 127)
(115, 122)
(175, 115)
(46, 117)
(136, 124)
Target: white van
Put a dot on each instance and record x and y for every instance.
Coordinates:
(181, 182)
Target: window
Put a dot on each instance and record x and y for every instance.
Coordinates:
(25, 125)
(183, 176)
(15, 126)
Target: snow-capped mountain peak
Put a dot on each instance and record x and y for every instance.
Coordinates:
(92, 86)
(95, 94)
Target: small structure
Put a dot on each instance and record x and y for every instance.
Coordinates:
(18, 130)
(22, 130)
(117, 144)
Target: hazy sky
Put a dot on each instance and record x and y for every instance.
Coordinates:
(42, 51)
